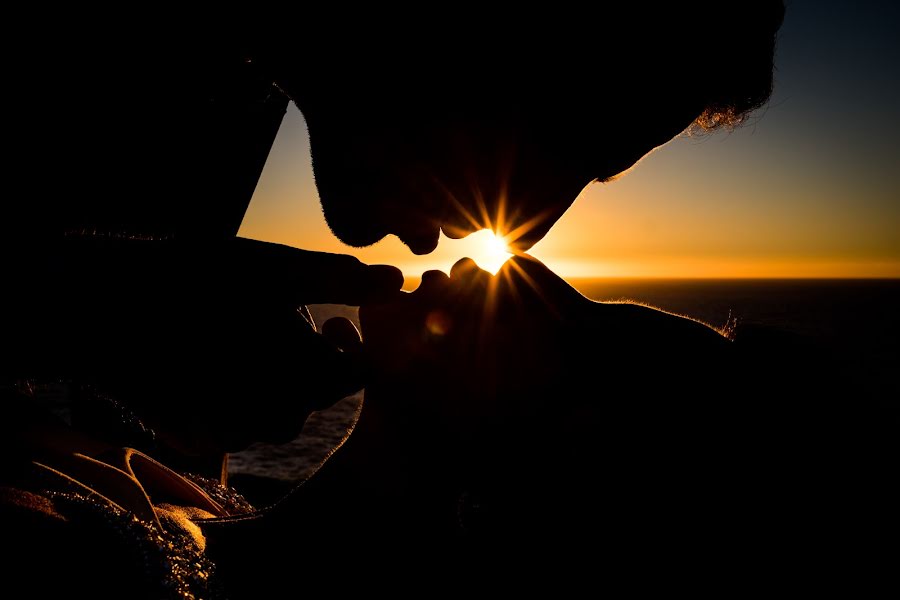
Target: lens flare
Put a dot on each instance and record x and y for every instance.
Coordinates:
(438, 323)
(489, 250)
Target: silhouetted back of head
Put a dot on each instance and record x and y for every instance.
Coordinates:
(137, 133)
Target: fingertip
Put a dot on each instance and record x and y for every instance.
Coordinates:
(386, 277)
(434, 277)
(462, 268)
(341, 332)
(434, 283)
(380, 283)
(467, 277)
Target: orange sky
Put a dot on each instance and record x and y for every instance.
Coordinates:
(697, 207)
(810, 187)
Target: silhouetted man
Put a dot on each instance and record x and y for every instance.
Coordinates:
(134, 286)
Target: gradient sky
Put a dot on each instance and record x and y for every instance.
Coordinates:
(809, 188)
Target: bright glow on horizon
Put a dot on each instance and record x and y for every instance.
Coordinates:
(734, 206)
(492, 250)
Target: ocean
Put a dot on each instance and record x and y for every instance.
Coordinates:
(856, 321)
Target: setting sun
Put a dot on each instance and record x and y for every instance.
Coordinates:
(488, 250)
(690, 209)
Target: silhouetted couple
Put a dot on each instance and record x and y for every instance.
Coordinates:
(501, 412)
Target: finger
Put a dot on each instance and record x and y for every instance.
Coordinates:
(329, 374)
(537, 279)
(434, 279)
(468, 274)
(342, 333)
(292, 349)
(306, 277)
(433, 288)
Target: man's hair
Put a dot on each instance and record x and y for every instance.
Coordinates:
(745, 75)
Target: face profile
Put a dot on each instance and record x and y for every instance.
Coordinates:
(504, 133)
(490, 414)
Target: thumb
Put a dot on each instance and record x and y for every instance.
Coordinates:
(533, 276)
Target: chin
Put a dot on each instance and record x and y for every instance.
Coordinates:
(422, 242)
(354, 232)
(359, 240)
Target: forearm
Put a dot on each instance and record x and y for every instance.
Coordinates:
(72, 294)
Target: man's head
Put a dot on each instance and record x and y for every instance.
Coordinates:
(467, 122)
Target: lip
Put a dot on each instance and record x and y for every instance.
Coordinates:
(422, 240)
(456, 231)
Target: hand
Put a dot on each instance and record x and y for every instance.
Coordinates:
(206, 341)
(517, 390)
(488, 337)
(471, 370)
